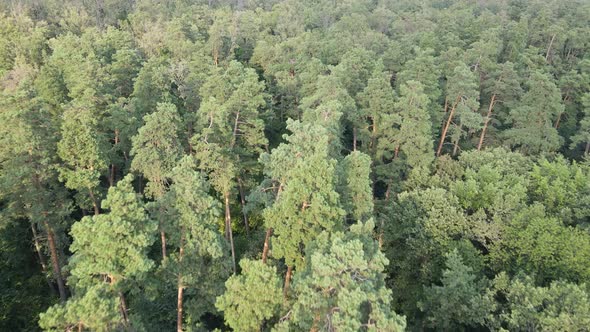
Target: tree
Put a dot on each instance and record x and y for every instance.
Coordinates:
(199, 262)
(583, 134)
(423, 68)
(563, 189)
(110, 258)
(251, 297)
(463, 100)
(415, 135)
(504, 88)
(155, 150)
(376, 105)
(355, 190)
(330, 98)
(532, 129)
(558, 306)
(29, 187)
(540, 245)
(342, 285)
(461, 301)
(230, 130)
(306, 201)
(80, 149)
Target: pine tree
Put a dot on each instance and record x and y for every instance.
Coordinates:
(415, 134)
(342, 286)
(306, 201)
(463, 102)
(583, 135)
(532, 120)
(110, 259)
(230, 130)
(504, 88)
(460, 301)
(199, 262)
(81, 150)
(156, 149)
(377, 104)
(251, 297)
(355, 188)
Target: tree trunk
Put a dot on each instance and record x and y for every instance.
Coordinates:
(112, 175)
(229, 230)
(587, 148)
(124, 311)
(266, 245)
(113, 167)
(558, 120)
(40, 256)
(287, 281)
(180, 297)
(163, 240)
(94, 202)
(455, 147)
(485, 124)
(179, 305)
(446, 128)
(55, 262)
(243, 202)
(353, 139)
(549, 48)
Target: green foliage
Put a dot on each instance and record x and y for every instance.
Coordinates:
(415, 134)
(329, 109)
(563, 189)
(156, 148)
(201, 263)
(80, 150)
(110, 257)
(251, 297)
(543, 246)
(307, 201)
(342, 285)
(356, 193)
(532, 131)
(460, 301)
(559, 306)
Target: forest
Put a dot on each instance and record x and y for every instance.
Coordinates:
(294, 165)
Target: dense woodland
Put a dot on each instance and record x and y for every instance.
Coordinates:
(297, 165)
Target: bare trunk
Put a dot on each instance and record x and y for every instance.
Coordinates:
(373, 136)
(113, 167)
(112, 175)
(558, 120)
(180, 297)
(455, 147)
(163, 240)
(55, 262)
(179, 306)
(243, 203)
(124, 311)
(229, 230)
(42, 261)
(353, 139)
(587, 148)
(446, 128)
(549, 48)
(485, 124)
(94, 202)
(266, 245)
(287, 281)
